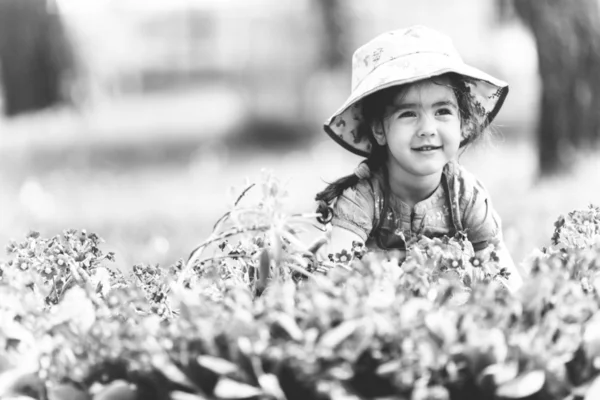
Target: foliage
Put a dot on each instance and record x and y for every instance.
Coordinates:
(255, 314)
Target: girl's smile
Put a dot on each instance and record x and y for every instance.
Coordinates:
(427, 149)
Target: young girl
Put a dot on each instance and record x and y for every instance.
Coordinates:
(414, 104)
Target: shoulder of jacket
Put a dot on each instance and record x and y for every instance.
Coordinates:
(465, 182)
(369, 186)
(359, 193)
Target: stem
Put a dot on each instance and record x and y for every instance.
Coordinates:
(241, 196)
(228, 213)
(55, 289)
(69, 278)
(195, 254)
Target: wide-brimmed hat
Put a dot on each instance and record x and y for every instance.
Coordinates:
(406, 56)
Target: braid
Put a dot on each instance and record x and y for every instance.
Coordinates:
(375, 161)
(379, 157)
(331, 192)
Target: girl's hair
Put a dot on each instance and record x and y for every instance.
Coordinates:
(374, 111)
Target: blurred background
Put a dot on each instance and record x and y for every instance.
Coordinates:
(133, 119)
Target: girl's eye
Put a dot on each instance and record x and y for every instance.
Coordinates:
(445, 111)
(407, 114)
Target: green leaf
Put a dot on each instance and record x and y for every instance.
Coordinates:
(176, 395)
(172, 372)
(264, 268)
(441, 327)
(117, 390)
(20, 380)
(230, 389)
(331, 339)
(388, 368)
(77, 309)
(591, 337)
(217, 365)
(501, 373)
(288, 324)
(271, 386)
(66, 392)
(524, 385)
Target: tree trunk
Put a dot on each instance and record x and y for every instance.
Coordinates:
(35, 56)
(334, 44)
(567, 34)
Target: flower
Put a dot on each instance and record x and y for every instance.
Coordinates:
(476, 262)
(358, 249)
(494, 256)
(48, 272)
(343, 256)
(33, 235)
(504, 273)
(453, 263)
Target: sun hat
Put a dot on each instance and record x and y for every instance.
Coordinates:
(405, 56)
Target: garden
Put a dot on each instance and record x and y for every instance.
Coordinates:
(253, 314)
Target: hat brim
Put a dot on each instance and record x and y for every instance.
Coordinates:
(342, 126)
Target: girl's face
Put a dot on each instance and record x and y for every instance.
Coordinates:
(422, 129)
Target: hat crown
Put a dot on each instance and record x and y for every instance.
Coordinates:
(400, 43)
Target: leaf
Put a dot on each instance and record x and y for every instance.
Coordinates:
(301, 247)
(317, 244)
(288, 324)
(177, 395)
(276, 247)
(66, 392)
(388, 368)
(13, 330)
(217, 365)
(441, 327)
(435, 392)
(502, 373)
(525, 385)
(591, 337)
(117, 390)
(263, 271)
(229, 389)
(76, 308)
(593, 392)
(24, 376)
(271, 386)
(332, 338)
(172, 372)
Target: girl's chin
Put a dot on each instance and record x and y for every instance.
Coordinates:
(422, 166)
(428, 169)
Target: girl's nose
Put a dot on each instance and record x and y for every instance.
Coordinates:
(427, 128)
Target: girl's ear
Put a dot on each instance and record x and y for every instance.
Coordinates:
(378, 133)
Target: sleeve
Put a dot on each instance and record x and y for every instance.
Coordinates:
(480, 221)
(354, 210)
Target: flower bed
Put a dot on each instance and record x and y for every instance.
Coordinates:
(263, 318)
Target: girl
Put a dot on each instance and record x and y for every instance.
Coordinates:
(414, 104)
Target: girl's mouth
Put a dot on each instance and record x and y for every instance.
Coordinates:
(426, 148)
